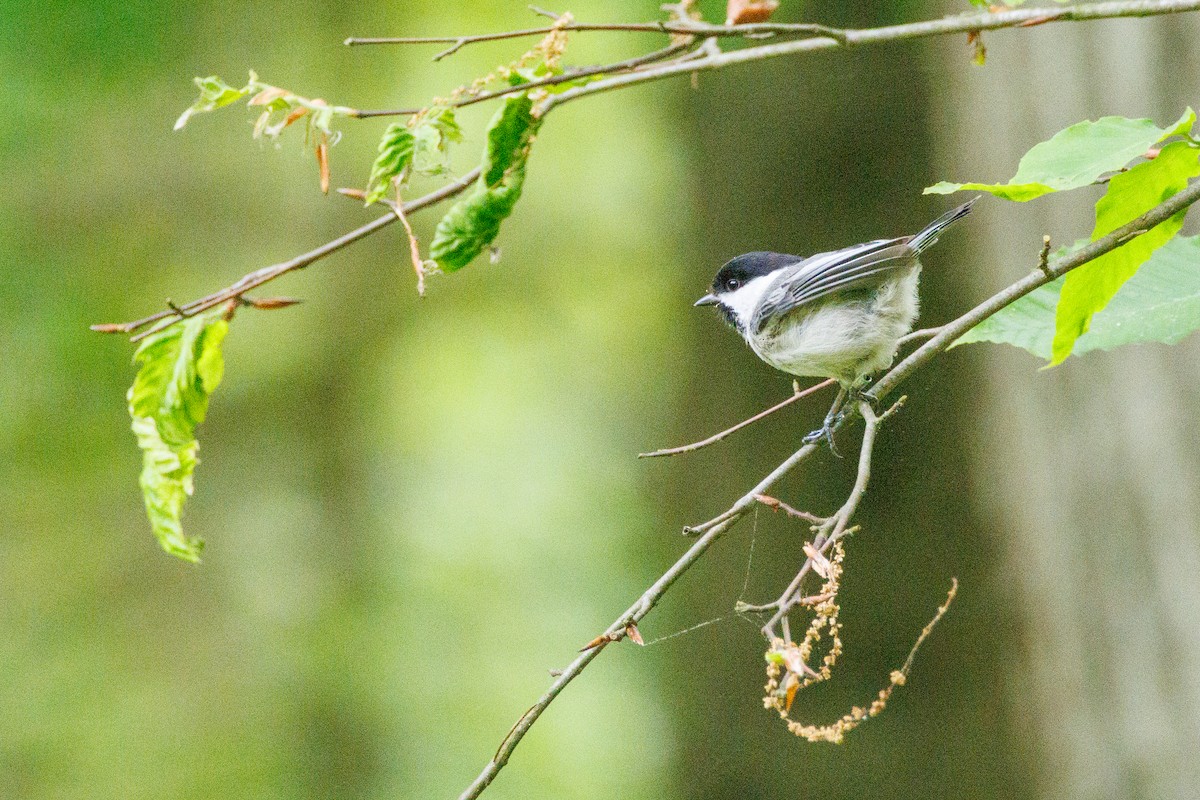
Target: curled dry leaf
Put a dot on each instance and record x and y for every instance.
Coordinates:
(109, 327)
(791, 687)
(272, 303)
(975, 40)
(820, 563)
(768, 501)
(323, 162)
(741, 12)
(599, 641)
(267, 96)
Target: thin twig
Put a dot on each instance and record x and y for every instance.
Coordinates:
(703, 29)
(266, 274)
(414, 249)
(837, 525)
(1012, 18)
(923, 333)
(566, 77)
(640, 608)
(963, 23)
(687, 448)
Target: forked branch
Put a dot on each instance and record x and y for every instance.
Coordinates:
(658, 65)
(838, 525)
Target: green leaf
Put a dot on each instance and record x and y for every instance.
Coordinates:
(435, 130)
(395, 153)
(1076, 157)
(1130, 194)
(1160, 303)
(474, 221)
(180, 367)
(214, 93)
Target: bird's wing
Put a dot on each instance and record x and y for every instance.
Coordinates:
(825, 273)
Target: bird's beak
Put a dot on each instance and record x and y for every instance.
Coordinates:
(707, 300)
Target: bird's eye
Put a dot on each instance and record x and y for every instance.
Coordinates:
(732, 284)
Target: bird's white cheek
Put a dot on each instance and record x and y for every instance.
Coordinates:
(743, 301)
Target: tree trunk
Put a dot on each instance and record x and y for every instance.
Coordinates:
(1089, 472)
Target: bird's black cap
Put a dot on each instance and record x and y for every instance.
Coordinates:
(748, 266)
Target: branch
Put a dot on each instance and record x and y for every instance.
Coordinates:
(834, 38)
(1039, 277)
(716, 527)
(687, 448)
(641, 607)
(823, 38)
(836, 526)
(554, 80)
(749, 31)
(266, 274)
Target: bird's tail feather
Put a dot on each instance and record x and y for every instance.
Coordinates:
(934, 229)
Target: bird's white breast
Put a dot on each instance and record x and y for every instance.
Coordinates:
(836, 338)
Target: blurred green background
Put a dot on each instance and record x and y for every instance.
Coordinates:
(415, 508)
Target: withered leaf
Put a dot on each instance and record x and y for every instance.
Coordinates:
(742, 12)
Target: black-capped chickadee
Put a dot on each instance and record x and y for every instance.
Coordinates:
(832, 315)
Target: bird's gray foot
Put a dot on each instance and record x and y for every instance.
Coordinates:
(825, 433)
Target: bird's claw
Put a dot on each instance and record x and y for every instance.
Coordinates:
(825, 433)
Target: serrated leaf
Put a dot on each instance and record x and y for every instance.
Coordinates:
(436, 129)
(395, 152)
(1130, 194)
(214, 93)
(1076, 156)
(1160, 303)
(179, 368)
(474, 221)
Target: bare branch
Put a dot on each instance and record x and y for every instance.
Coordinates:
(836, 526)
(687, 448)
(916, 336)
(640, 608)
(553, 80)
(267, 274)
(964, 23)
(702, 29)
(822, 38)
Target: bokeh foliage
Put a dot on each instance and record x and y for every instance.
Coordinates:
(422, 505)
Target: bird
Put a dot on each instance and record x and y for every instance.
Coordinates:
(839, 314)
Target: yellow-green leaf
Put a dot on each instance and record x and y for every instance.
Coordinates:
(1160, 303)
(1076, 156)
(214, 93)
(179, 368)
(1130, 194)
(395, 153)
